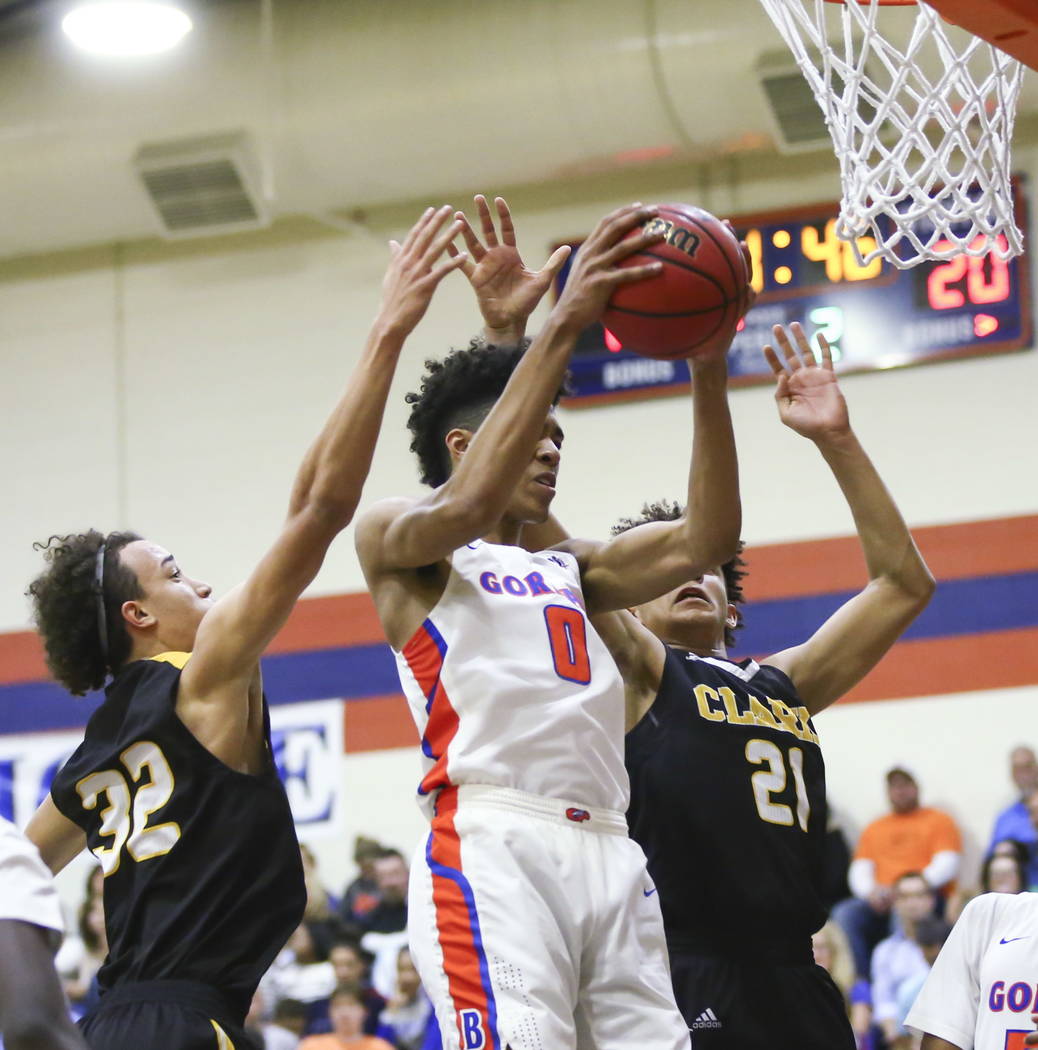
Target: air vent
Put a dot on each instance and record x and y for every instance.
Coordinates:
(202, 186)
(798, 122)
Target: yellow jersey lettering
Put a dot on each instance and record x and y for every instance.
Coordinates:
(732, 710)
(704, 696)
(761, 715)
(786, 718)
(809, 734)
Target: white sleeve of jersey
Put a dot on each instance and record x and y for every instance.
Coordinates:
(948, 1003)
(27, 891)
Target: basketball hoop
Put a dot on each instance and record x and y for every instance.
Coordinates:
(921, 116)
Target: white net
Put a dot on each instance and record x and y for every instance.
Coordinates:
(921, 116)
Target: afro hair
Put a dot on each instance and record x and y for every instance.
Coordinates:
(458, 391)
(64, 600)
(734, 570)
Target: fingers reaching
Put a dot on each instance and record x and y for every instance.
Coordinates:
(504, 217)
(555, 262)
(486, 220)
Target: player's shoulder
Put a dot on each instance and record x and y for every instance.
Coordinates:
(383, 511)
(371, 524)
(579, 549)
(988, 910)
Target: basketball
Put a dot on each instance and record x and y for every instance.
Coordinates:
(698, 298)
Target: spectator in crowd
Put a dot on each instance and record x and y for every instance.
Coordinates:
(302, 972)
(361, 895)
(320, 904)
(347, 1013)
(899, 958)
(911, 838)
(408, 1011)
(352, 965)
(285, 1028)
(322, 909)
(1031, 803)
(80, 986)
(1003, 874)
(1004, 871)
(1014, 822)
(385, 925)
(930, 934)
(833, 953)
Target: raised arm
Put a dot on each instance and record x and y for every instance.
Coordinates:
(854, 639)
(328, 486)
(506, 291)
(409, 535)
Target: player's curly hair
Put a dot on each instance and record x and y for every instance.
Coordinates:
(65, 607)
(458, 391)
(734, 569)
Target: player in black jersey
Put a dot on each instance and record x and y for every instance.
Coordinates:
(727, 779)
(174, 788)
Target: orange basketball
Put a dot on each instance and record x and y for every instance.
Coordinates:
(696, 301)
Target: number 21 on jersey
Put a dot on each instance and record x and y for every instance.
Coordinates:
(124, 820)
(772, 781)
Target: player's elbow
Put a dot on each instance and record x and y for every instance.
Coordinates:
(330, 512)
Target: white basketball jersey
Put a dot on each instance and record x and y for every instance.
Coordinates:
(983, 988)
(510, 685)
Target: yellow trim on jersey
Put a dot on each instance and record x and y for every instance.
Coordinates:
(223, 1040)
(176, 659)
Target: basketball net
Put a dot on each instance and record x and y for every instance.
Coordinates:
(922, 127)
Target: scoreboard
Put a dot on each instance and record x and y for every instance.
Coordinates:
(874, 316)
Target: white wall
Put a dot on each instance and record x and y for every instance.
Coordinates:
(175, 391)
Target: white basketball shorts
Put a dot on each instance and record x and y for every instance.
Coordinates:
(534, 926)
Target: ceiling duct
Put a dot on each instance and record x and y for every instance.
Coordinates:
(202, 186)
(797, 120)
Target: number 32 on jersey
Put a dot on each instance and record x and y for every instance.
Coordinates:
(124, 820)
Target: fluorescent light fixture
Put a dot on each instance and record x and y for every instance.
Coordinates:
(126, 27)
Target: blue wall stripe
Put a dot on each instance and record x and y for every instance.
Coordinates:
(959, 608)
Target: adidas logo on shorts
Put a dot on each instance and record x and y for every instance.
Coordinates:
(707, 1019)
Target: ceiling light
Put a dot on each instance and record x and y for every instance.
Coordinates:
(126, 27)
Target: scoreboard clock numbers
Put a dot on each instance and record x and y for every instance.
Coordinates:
(875, 316)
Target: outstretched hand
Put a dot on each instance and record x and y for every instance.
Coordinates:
(807, 393)
(507, 292)
(417, 267)
(1032, 1039)
(597, 272)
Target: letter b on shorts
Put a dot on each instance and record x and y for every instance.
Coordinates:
(472, 1035)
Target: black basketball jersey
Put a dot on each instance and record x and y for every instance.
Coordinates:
(728, 802)
(203, 878)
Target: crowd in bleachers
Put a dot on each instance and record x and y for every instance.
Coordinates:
(907, 889)
(345, 980)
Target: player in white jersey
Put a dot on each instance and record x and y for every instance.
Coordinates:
(33, 1011)
(533, 923)
(984, 985)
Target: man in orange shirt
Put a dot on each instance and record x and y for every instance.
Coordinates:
(909, 838)
(347, 1011)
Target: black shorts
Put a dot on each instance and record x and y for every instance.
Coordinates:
(164, 1015)
(732, 1004)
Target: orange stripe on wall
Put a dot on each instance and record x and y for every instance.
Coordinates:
(953, 552)
(378, 722)
(21, 658)
(327, 623)
(960, 664)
